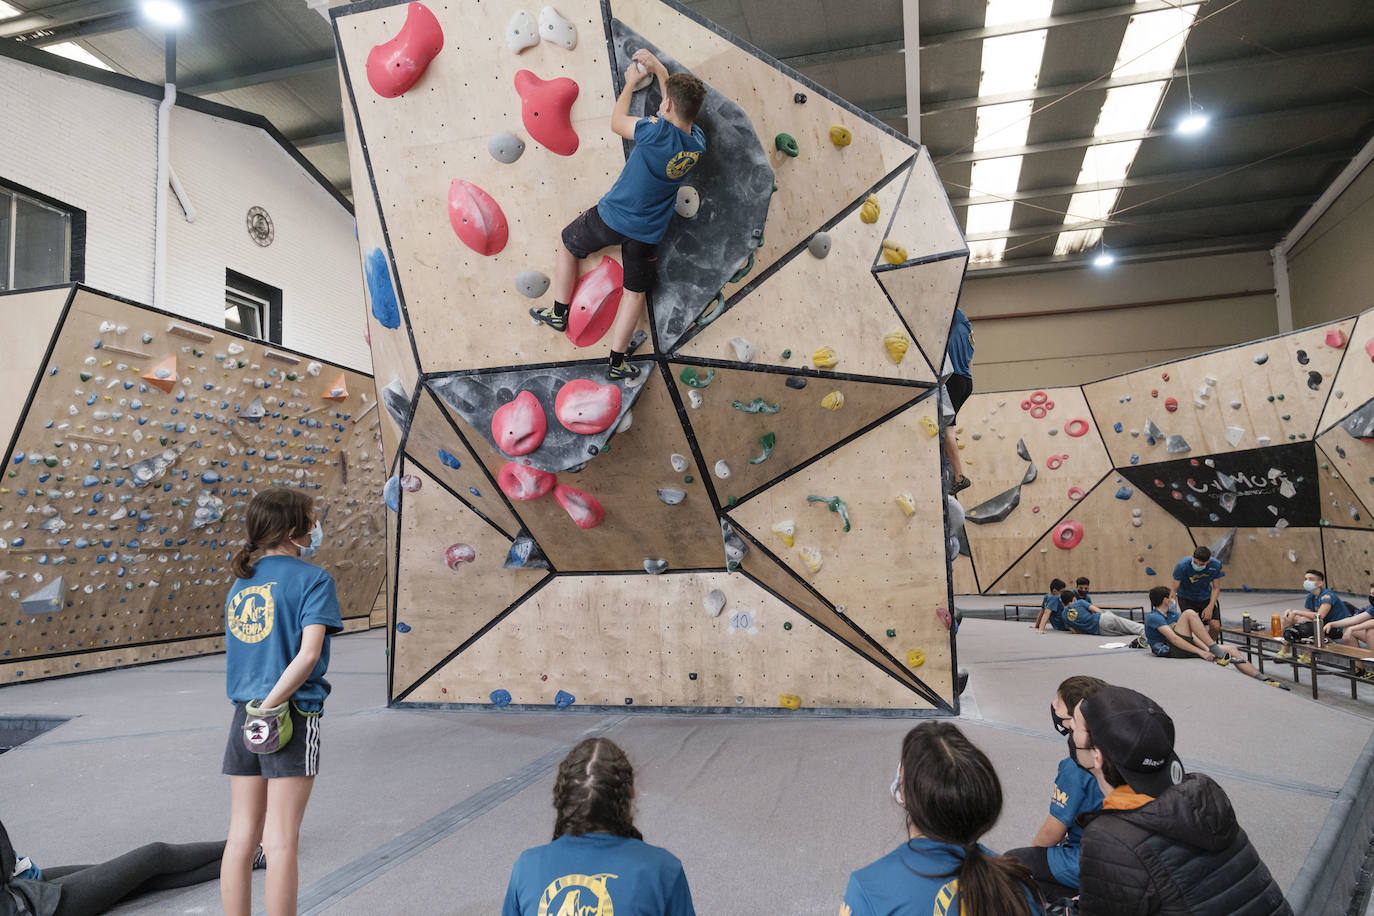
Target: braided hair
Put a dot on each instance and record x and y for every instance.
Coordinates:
(273, 516)
(594, 791)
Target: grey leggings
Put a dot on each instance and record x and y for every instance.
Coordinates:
(91, 889)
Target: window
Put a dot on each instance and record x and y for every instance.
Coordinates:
(252, 308)
(42, 241)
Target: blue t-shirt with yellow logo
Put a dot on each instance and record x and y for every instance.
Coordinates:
(918, 878)
(1196, 584)
(1082, 618)
(263, 622)
(640, 203)
(1338, 611)
(1056, 611)
(960, 345)
(1160, 645)
(597, 873)
(1075, 792)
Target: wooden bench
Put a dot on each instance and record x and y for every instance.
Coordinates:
(1333, 658)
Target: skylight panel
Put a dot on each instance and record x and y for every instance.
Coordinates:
(1002, 125)
(73, 51)
(993, 177)
(1129, 109)
(1011, 62)
(1153, 41)
(1005, 12)
(8, 12)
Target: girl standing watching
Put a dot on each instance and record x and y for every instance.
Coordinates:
(278, 619)
(951, 796)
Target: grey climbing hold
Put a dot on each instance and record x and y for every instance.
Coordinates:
(1222, 547)
(1151, 430)
(1021, 451)
(47, 599)
(255, 410)
(735, 548)
(209, 509)
(397, 403)
(505, 147)
(521, 32)
(524, 553)
(654, 566)
(1176, 445)
(531, 283)
(679, 462)
(1030, 475)
(795, 382)
(1261, 359)
(1302, 357)
(688, 202)
(744, 350)
(819, 245)
(715, 602)
(722, 469)
(1360, 424)
(554, 28)
(1314, 380)
(995, 509)
(671, 497)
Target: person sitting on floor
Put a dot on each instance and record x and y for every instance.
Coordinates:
(1082, 587)
(1165, 843)
(1052, 608)
(598, 860)
(1083, 616)
(1053, 855)
(1300, 624)
(1357, 632)
(1174, 633)
(951, 796)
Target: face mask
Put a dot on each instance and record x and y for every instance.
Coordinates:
(1063, 726)
(1197, 568)
(316, 539)
(1309, 585)
(1073, 754)
(896, 788)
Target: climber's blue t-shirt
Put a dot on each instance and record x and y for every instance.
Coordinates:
(960, 346)
(918, 878)
(1160, 645)
(1056, 611)
(1316, 599)
(263, 622)
(1196, 585)
(1075, 792)
(640, 203)
(594, 872)
(1081, 617)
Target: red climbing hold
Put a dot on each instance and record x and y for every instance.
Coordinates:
(1025, 405)
(595, 301)
(1076, 493)
(585, 407)
(523, 483)
(1037, 412)
(584, 510)
(1039, 397)
(1369, 348)
(1164, 375)
(1053, 462)
(1067, 535)
(1076, 427)
(458, 554)
(1335, 338)
(519, 426)
(546, 109)
(395, 66)
(1171, 404)
(945, 618)
(476, 218)
(1154, 392)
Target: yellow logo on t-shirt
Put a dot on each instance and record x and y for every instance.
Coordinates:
(682, 163)
(251, 612)
(945, 898)
(1072, 613)
(1059, 797)
(586, 896)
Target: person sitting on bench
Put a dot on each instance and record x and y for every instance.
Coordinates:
(1174, 633)
(1300, 624)
(1052, 608)
(1084, 617)
(1357, 632)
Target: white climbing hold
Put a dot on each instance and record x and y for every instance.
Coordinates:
(521, 32)
(688, 202)
(314, 368)
(625, 421)
(715, 602)
(722, 469)
(1211, 382)
(1262, 441)
(1292, 556)
(811, 557)
(1234, 434)
(234, 349)
(744, 350)
(1204, 392)
(695, 398)
(1236, 405)
(679, 462)
(787, 531)
(554, 28)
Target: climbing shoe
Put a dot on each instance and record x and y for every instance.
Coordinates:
(1366, 674)
(1272, 682)
(625, 370)
(1140, 642)
(963, 483)
(549, 317)
(1283, 655)
(1304, 659)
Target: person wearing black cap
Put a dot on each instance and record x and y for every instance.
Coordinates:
(1163, 836)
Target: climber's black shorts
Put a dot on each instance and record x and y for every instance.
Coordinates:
(959, 388)
(589, 233)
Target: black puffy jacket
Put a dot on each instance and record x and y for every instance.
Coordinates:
(1182, 854)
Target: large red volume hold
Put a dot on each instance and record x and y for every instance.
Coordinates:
(396, 65)
(584, 510)
(523, 483)
(585, 407)
(596, 298)
(546, 109)
(519, 426)
(476, 217)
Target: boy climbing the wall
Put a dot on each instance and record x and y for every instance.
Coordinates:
(635, 212)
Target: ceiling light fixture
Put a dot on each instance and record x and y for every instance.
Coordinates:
(1104, 257)
(1196, 121)
(167, 13)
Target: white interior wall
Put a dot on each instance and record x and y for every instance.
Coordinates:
(1330, 271)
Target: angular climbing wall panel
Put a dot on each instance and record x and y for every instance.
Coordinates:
(1349, 559)
(137, 442)
(1266, 448)
(616, 537)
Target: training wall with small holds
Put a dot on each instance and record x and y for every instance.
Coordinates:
(1263, 451)
(134, 441)
(754, 523)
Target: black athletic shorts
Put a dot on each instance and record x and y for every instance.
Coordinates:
(300, 757)
(1193, 604)
(959, 388)
(1176, 652)
(589, 233)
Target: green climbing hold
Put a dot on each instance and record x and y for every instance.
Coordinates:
(290, 376)
(1291, 436)
(891, 633)
(50, 461)
(85, 376)
(1302, 435)
(689, 377)
(744, 270)
(198, 353)
(768, 441)
(147, 338)
(1288, 416)
(787, 145)
(786, 354)
(1271, 399)
(757, 405)
(716, 310)
(688, 479)
(834, 504)
(1280, 397)
(787, 624)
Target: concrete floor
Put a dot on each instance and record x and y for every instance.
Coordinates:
(421, 812)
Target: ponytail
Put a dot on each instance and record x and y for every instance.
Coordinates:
(994, 885)
(242, 564)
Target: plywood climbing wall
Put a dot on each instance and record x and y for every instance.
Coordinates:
(617, 538)
(138, 440)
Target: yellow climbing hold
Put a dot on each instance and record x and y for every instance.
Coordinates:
(930, 427)
(789, 700)
(897, 344)
(840, 136)
(907, 503)
(811, 557)
(915, 658)
(825, 358)
(787, 531)
(833, 401)
(893, 253)
(870, 210)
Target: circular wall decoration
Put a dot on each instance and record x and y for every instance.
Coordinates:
(260, 226)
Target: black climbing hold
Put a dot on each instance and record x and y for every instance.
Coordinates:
(691, 675)
(795, 381)
(1314, 380)
(629, 701)
(799, 98)
(1303, 359)
(593, 450)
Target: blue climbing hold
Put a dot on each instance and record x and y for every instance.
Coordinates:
(391, 492)
(448, 460)
(563, 699)
(1149, 571)
(1125, 493)
(1117, 426)
(475, 492)
(402, 627)
(500, 697)
(1135, 459)
(380, 291)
